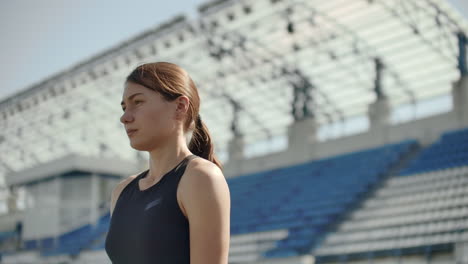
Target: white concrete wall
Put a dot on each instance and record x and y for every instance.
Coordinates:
(41, 217)
(426, 130)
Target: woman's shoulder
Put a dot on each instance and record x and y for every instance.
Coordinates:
(204, 194)
(119, 188)
(124, 182)
(200, 165)
(200, 174)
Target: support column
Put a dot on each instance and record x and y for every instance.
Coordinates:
(236, 153)
(301, 135)
(12, 200)
(236, 144)
(379, 113)
(461, 252)
(379, 118)
(236, 148)
(94, 199)
(460, 100)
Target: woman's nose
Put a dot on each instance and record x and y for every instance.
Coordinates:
(126, 117)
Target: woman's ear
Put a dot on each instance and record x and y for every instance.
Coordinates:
(182, 106)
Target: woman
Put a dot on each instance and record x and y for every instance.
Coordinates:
(177, 211)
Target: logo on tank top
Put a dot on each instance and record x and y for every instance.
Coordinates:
(153, 203)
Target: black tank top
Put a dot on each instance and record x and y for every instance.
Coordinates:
(148, 227)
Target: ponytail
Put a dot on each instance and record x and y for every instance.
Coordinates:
(200, 143)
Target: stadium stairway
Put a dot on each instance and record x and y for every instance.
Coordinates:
(421, 210)
(82, 238)
(100, 239)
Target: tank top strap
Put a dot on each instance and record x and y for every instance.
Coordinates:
(184, 163)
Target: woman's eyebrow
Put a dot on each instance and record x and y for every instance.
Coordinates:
(130, 97)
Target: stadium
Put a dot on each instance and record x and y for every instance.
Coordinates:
(342, 126)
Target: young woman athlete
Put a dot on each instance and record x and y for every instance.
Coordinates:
(177, 211)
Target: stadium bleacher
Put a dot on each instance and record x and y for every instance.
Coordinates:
(450, 151)
(304, 199)
(321, 206)
(422, 209)
(87, 237)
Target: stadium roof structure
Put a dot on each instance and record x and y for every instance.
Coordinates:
(259, 66)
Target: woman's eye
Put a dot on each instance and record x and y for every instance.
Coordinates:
(136, 102)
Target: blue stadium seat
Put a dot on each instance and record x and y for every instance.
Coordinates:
(308, 197)
(304, 199)
(451, 150)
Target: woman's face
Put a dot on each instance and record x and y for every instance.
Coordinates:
(147, 112)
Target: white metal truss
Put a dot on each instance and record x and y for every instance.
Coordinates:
(244, 56)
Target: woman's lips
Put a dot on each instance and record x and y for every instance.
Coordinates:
(131, 132)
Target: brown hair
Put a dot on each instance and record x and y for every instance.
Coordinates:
(172, 81)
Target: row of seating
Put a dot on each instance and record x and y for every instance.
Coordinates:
(300, 203)
(306, 198)
(392, 244)
(408, 208)
(299, 200)
(400, 231)
(424, 204)
(72, 242)
(450, 150)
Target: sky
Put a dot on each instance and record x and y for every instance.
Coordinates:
(42, 38)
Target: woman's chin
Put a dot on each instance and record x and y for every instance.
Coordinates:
(136, 145)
